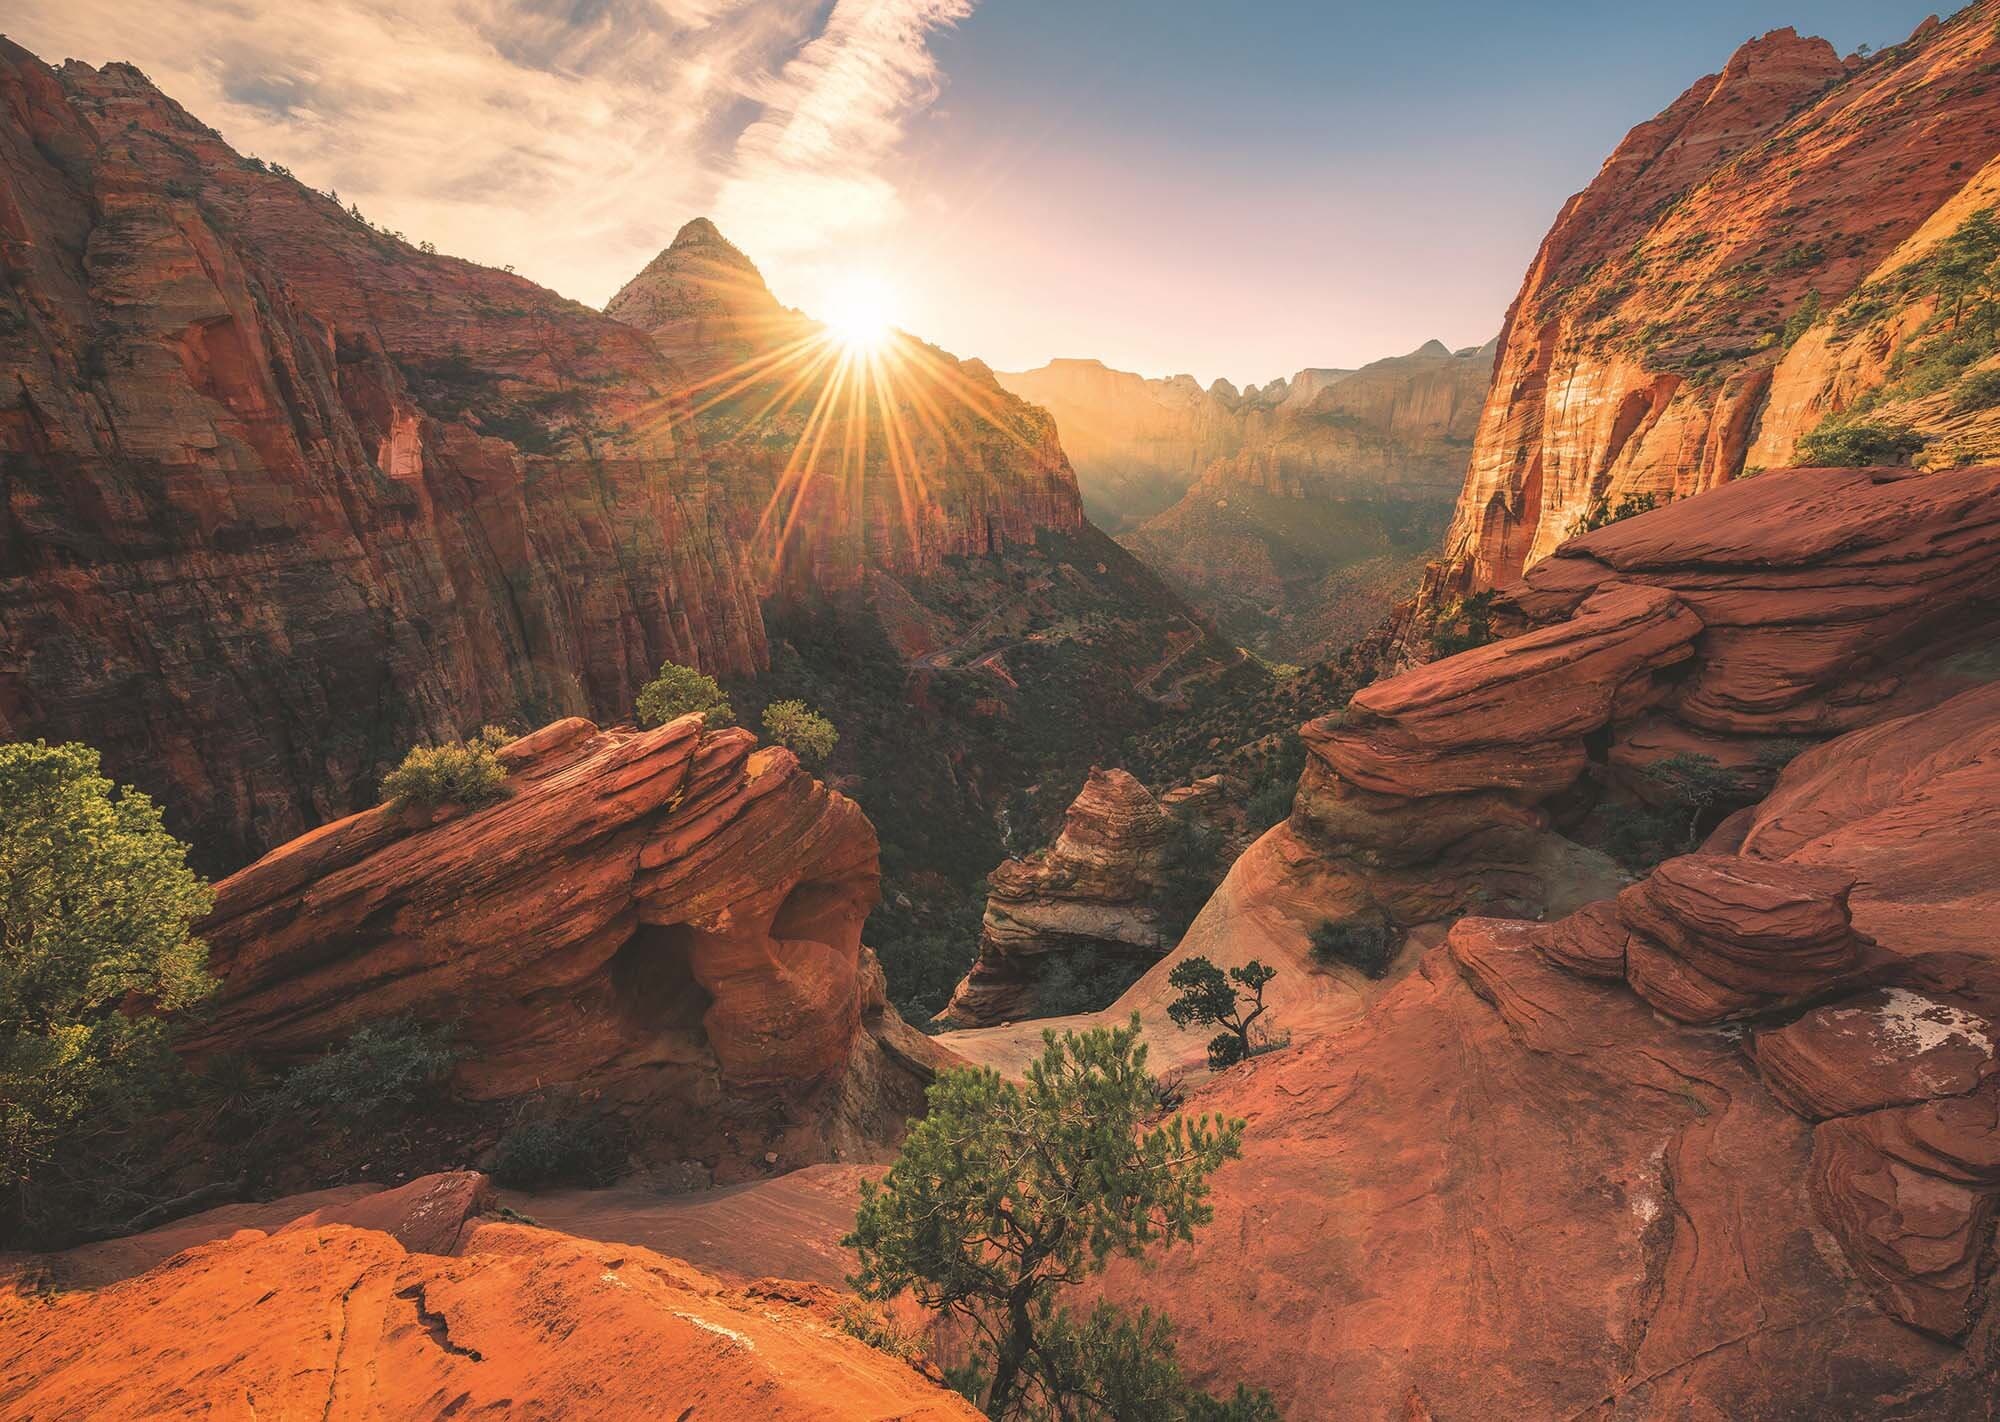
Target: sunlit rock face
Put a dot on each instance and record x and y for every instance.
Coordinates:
(1700, 305)
(287, 495)
(665, 924)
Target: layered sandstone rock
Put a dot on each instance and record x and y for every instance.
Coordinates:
(1616, 1213)
(341, 1320)
(704, 304)
(664, 924)
(1094, 891)
(1647, 350)
(1740, 625)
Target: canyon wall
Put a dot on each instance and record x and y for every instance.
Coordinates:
(1719, 289)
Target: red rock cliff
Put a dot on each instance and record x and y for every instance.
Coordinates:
(1678, 323)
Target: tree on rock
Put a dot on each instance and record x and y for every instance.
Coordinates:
(1004, 1195)
(1207, 996)
(801, 730)
(96, 901)
(676, 691)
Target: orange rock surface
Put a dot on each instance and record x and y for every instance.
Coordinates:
(339, 1320)
(1646, 351)
(666, 921)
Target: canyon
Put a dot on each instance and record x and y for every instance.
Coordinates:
(1291, 514)
(1677, 1095)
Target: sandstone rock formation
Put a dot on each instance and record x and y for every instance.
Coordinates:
(665, 925)
(341, 1319)
(288, 494)
(1299, 540)
(1094, 891)
(1727, 281)
(1510, 1159)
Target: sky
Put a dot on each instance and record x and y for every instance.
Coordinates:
(1169, 186)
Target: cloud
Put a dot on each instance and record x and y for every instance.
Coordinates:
(568, 138)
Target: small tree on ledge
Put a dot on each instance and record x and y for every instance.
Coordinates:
(1206, 996)
(678, 690)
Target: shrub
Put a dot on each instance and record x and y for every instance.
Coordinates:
(1468, 623)
(96, 902)
(1842, 442)
(801, 730)
(566, 1151)
(1189, 873)
(1208, 997)
(1083, 980)
(384, 1067)
(1365, 940)
(467, 773)
(1007, 1195)
(1270, 803)
(1978, 391)
(880, 1331)
(678, 690)
(1602, 513)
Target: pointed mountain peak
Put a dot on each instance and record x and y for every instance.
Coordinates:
(1432, 348)
(701, 299)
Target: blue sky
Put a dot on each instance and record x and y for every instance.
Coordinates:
(1222, 189)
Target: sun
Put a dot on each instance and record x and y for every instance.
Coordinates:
(859, 313)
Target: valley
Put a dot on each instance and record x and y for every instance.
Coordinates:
(688, 859)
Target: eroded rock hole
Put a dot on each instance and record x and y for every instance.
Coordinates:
(653, 977)
(822, 912)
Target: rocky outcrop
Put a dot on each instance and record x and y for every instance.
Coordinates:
(705, 305)
(1688, 316)
(663, 925)
(1740, 625)
(1300, 539)
(342, 1319)
(1618, 1212)
(1094, 891)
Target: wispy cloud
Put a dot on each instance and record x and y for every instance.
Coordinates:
(568, 138)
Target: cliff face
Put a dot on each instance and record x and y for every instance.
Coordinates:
(1694, 310)
(285, 495)
(1300, 539)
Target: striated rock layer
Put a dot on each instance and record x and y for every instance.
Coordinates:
(285, 494)
(1095, 890)
(1623, 1212)
(1688, 316)
(345, 1313)
(665, 925)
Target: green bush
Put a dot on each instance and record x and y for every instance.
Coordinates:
(467, 773)
(1602, 513)
(1468, 623)
(567, 1151)
(1192, 868)
(1270, 803)
(1978, 391)
(678, 690)
(1367, 941)
(801, 730)
(383, 1068)
(1083, 980)
(96, 904)
(1842, 442)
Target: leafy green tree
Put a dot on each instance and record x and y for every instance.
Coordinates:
(1468, 623)
(1189, 871)
(1694, 785)
(383, 1068)
(1966, 265)
(1841, 442)
(801, 730)
(1602, 513)
(1004, 1195)
(1365, 940)
(1207, 996)
(96, 906)
(676, 691)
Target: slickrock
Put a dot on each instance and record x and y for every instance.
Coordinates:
(1886, 1047)
(1688, 315)
(666, 922)
(332, 1320)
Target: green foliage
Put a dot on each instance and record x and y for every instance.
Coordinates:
(1466, 624)
(1845, 441)
(1686, 789)
(1978, 391)
(1803, 316)
(1083, 981)
(880, 1331)
(1189, 873)
(801, 730)
(1114, 1365)
(1005, 1195)
(382, 1069)
(1207, 997)
(678, 690)
(924, 954)
(1602, 512)
(563, 1151)
(1364, 940)
(467, 773)
(96, 902)
(1270, 803)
